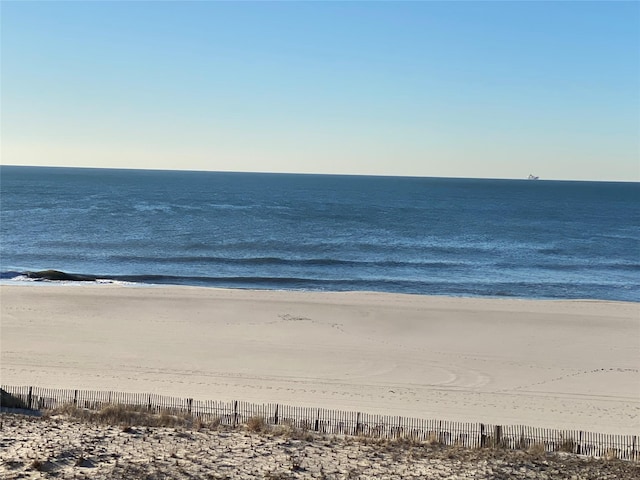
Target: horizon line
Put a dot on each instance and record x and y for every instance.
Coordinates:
(151, 169)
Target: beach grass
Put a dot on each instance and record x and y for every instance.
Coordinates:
(10, 401)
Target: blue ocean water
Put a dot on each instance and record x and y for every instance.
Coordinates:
(436, 236)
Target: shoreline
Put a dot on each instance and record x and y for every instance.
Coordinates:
(546, 363)
(107, 282)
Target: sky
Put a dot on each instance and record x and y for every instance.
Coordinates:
(438, 89)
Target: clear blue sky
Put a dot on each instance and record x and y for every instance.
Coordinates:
(456, 89)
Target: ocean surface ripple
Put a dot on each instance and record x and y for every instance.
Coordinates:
(436, 236)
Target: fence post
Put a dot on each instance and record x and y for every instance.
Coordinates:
(29, 398)
(149, 407)
(483, 436)
(75, 397)
(633, 449)
(317, 425)
(235, 413)
(579, 445)
(498, 435)
(358, 424)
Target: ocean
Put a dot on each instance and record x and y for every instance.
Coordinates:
(431, 236)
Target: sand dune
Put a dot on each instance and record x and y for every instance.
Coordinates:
(64, 448)
(556, 364)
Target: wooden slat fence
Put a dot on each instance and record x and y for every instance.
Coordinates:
(334, 422)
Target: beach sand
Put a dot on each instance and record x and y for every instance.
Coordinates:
(556, 364)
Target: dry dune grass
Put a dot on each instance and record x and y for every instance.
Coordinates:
(10, 401)
(125, 416)
(126, 443)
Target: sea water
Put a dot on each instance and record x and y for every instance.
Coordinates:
(434, 236)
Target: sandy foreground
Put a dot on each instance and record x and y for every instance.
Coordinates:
(58, 447)
(555, 364)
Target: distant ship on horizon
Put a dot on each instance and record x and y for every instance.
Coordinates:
(533, 177)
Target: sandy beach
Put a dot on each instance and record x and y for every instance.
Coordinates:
(555, 364)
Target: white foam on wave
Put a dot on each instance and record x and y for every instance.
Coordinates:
(20, 278)
(25, 280)
(107, 281)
